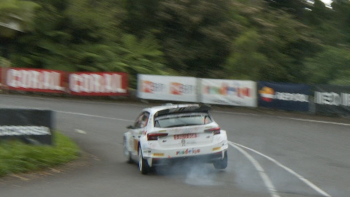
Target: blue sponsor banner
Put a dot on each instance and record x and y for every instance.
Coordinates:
(286, 96)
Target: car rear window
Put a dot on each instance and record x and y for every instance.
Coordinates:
(180, 120)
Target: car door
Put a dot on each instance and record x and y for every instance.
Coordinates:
(138, 127)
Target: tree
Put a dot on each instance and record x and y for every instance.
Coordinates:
(141, 17)
(196, 35)
(272, 45)
(245, 61)
(329, 66)
(294, 7)
(67, 33)
(132, 55)
(15, 15)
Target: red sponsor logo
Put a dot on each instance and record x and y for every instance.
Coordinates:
(267, 94)
(147, 86)
(37, 80)
(185, 136)
(188, 151)
(179, 88)
(175, 88)
(151, 87)
(99, 83)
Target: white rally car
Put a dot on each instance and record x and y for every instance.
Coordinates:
(166, 134)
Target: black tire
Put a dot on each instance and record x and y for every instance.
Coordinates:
(127, 152)
(143, 164)
(221, 164)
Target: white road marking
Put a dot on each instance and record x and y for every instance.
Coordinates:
(307, 182)
(94, 116)
(68, 112)
(315, 121)
(236, 113)
(282, 117)
(80, 131)
(268, 183)
(110, 102)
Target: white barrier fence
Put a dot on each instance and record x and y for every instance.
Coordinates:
(170, 88)
(190, 89)
(228, 92)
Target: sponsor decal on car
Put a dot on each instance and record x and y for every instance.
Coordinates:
(158, 154)
(188, 152)
(187, 130)
(185, 136)
(216, 148)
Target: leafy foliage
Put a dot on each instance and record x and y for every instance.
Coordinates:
(331, 66)
(15, 15)
(196, 35)
(280, 40)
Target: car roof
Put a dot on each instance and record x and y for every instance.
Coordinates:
(165, 109)
(155, 109)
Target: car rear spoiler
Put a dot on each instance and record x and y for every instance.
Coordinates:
(187, 109)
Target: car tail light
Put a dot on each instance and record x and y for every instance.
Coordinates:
(215, 130)
(154, 136)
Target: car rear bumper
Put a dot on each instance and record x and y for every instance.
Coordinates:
(205, 158)
(203, 153)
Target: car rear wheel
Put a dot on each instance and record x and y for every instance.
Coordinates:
(143, 164)
(221, 164)
(127, 153)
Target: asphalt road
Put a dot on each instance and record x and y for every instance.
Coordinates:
(269, 156)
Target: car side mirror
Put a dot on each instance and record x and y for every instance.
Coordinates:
(130, 127)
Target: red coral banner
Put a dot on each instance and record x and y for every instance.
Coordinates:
(34, 80)
(98, 83)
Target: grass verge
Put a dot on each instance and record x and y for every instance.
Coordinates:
(17, 157)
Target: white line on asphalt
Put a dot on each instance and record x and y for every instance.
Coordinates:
(80, 131)
(316, 121)
(73, 113)
(94, 116)
(288, 118)
(236, 113)
(111, 102)
(268, 183)
(307, 182)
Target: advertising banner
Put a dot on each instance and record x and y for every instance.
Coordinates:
(294, 97)
(332, 99)
(228, 92)
(35, 80)
(98, 83)
(30, 125)
(1, 77)
(171, 88)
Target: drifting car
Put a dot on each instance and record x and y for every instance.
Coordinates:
(170, 133)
